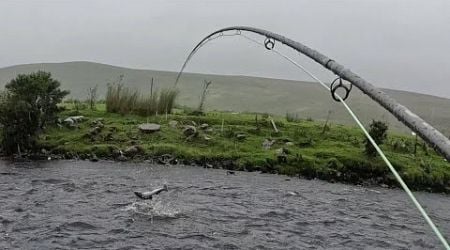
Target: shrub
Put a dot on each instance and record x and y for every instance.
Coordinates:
(29, 103)
(378, 131)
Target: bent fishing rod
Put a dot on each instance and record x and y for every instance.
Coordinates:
(431, 135)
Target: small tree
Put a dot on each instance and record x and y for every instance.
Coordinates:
(28, 104)
(204, 93)
(92, 97)
(378, 131)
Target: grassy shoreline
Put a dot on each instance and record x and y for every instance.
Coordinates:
(302, 148)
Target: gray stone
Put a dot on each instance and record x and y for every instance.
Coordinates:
(78, 118)
(149, 127)
(133, 150)
(93, 158)
(267, 144)
(122, 158)
(241, 136)
(289, 143)
(189, 131)
(69, 122)
(97, 123)
(95, 131)
(282, 155)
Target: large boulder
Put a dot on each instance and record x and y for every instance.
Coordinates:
(149, 127)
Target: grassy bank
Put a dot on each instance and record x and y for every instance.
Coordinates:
(235, 141)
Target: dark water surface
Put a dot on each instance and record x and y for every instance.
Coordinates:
(84, 205)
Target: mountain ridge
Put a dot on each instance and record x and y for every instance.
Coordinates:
(240, 92)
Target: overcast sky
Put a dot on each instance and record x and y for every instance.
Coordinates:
(392, 43)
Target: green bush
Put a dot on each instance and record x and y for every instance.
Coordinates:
(26, 107)
(378, 131)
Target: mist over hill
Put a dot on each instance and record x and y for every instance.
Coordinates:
(242, 93)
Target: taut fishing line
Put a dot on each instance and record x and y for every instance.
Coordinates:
(269, 44)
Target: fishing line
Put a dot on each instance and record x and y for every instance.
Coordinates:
(269, 44)
(375, 145)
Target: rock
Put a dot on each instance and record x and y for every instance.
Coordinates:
(204, 126)
(93, 158)
(267, 143)
(116, 153)
(69, 122)
(97, 123)
(95, 131)
(133, 150)
(122, 158)
(173, 124)
(73, 120)
(289, 143)
(231, 173)
(166, 159)
(77, 119)
(190, 131)
(149, 127)
(282, 155)
(241, 136)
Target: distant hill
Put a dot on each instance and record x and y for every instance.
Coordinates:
(242, 93)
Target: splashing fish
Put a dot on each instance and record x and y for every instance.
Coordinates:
(149, 195)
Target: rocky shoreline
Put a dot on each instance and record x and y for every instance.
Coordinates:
(239, 142)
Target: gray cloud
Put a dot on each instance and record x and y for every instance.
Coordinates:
(401, 44)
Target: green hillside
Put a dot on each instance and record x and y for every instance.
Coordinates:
(242, 93)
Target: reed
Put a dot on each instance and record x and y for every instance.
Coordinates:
(122, 100)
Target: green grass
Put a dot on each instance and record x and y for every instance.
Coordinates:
(336, 155)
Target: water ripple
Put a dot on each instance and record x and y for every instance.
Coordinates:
(84, 205)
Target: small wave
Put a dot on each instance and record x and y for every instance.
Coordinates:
(77, 226)
(118, 231)
(154, 209)
(197, 236)
(9, 173)
(69, 187)
(48, 181)
(5, 221)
